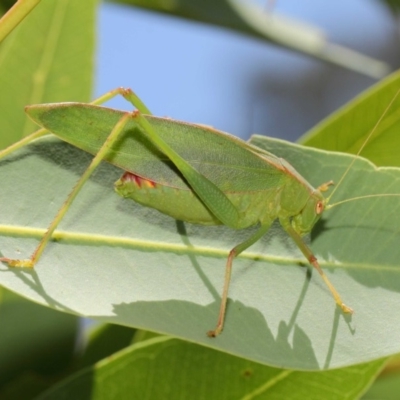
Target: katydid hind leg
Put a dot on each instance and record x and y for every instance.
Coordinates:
(216, 201)
(228, 270)
(131, 96)
(213, 197)
(30, 263)
(314, 262)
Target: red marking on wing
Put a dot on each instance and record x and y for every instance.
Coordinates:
(139, 181)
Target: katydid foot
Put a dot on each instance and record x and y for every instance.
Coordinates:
(18, 263)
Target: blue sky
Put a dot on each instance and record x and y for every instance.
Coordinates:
(203, 74)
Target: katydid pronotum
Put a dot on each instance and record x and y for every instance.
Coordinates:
(232, 183)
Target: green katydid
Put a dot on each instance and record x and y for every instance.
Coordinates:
(228, 182)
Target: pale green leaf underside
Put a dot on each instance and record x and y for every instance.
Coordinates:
(147, 369)
(153, 275)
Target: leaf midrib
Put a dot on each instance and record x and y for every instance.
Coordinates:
(153, 245)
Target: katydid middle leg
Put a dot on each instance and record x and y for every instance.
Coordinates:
(228, 270)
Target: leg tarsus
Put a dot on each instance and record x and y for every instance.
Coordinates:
(18, 263)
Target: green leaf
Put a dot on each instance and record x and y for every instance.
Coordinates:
(15, 15)
(251, 19)
(48, 57)
(35, 343)
(104, 341)
(119, 262)
(386, 387)
(165, 368)
(394, 5)
(348, 128)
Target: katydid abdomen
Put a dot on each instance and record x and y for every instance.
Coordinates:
(183, 204)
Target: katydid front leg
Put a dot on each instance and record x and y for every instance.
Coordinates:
(253, 239)
(314, 262)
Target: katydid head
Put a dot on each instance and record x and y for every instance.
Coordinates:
(303, 222)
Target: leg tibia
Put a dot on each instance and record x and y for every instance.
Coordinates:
(228, 269)
(313, 261)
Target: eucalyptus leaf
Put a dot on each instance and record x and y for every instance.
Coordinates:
(166, 368)
(119, 262)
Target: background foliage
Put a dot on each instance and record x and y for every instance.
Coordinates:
(58, 65)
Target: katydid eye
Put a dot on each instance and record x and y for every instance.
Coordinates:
(319, 207)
